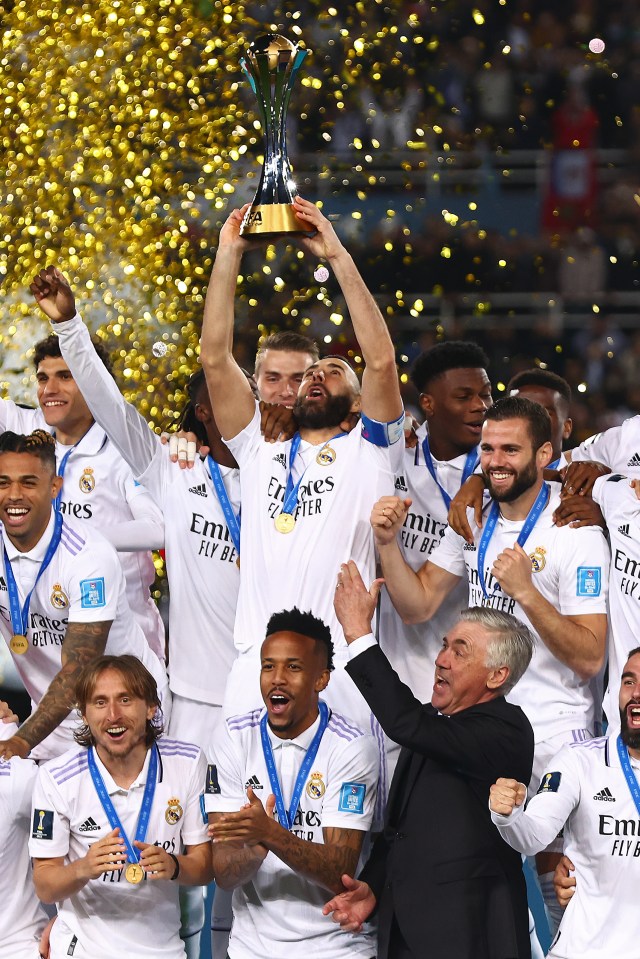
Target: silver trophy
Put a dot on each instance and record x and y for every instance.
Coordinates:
(271, 66)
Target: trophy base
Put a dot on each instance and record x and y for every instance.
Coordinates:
(271, 219)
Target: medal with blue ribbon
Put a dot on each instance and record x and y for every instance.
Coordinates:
(232, 521)
(285, 521)
(134, 873)
(490, 524)
(287, 817)
(629, 775)
(20, 613)
(470, 464)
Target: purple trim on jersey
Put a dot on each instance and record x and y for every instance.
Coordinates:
(71, 540)
(599, 743)
(245, 721)
(72, 767)
(339, 725)
(5, 768)
(173, 747)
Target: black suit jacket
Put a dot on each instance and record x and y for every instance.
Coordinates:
(455, 888)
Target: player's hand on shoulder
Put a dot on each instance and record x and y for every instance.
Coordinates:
(580, 476)
(576, 510)
(277, 422)
(183, 448)
(470, 495)
(14, 746)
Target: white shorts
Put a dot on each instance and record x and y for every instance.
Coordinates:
(194, 722)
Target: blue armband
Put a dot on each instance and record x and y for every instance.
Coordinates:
(382, 434)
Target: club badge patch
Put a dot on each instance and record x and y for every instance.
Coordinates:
(59, 598)
(42, 824)
(326, 456)
(352, 798)
(550, 783)
(315, 786)
(173, 812)
(87, 481)
(538, 559)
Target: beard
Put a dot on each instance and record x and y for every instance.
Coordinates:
(318, 416)
(522, 482)
(630, 737)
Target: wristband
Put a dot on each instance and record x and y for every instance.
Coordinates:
(176, 871)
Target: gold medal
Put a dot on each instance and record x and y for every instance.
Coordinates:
(134, 873)
(18, 644)
(284, 522)
(238, 562)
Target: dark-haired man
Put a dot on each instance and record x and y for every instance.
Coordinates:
(281, 361)
(304, 501)
(310, 776)
(99, 490)
(117, 823)
(554, 394)
(62, 595)
(455, 393)
(557, 585)
(590, 790)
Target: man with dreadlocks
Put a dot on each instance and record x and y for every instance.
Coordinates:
(62, 596)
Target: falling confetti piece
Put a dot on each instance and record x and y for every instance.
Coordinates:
(159, 349)
(596, 45)
(321, 274)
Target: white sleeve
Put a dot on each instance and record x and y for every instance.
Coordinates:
(50, 829)
(224, 788)
(615, 497)
(126, 428)
(350, 797)
(23, 777)
(145, 530)
(245, 444)
(531, 829)
(19, 420)
(583, 572)
(194, 829)
(600, 448)
(449, 554)
(95, 584)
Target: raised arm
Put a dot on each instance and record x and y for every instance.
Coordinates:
(229, 390)
(380, 387)
(416, 597)
(83, 643)
(123, 424)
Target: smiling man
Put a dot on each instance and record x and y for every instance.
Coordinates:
(117, 823)
(62, 596)
(553, 579)
(280, 364)
(444, 884)
(310, 777)
(590, 790)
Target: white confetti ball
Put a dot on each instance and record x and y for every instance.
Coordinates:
(159, 349)
(596, 45)
(321, 274)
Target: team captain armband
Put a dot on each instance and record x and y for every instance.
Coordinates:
(382, 434)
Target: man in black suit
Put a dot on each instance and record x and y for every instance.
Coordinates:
(445, 885)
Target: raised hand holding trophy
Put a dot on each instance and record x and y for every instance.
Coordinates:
(271, 65)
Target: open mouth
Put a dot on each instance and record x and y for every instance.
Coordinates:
(633, 716)
(116, 732)
(316, 393)
(440, 682)
(15, 514)
(278, 703)
(500, 476)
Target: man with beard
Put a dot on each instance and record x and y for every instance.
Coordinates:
(591, 791)
(557, 585)
(305, 502)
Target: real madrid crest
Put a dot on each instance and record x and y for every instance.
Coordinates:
(538, 559)
(173, 812)
(315, 786)
(87, 481)
(326, 456)
(59, 598)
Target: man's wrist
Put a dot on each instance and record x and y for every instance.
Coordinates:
(176, 870)
(361, 643)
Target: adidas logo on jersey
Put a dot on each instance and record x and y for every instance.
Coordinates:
(280, 458)
(635, 460)
(89, 825)
(624, 529)
(401, 484)
(254, 782)
(605, 795)
(469, 546)
(3, 585)
(199, 490)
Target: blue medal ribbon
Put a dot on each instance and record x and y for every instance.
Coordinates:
(285, 818)
(629, 775)
(133, 854)
(290, 502)
(554, 465)
(63, 465)
(233, 521)
(20, 614)
(490, 524)
(470, 464)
